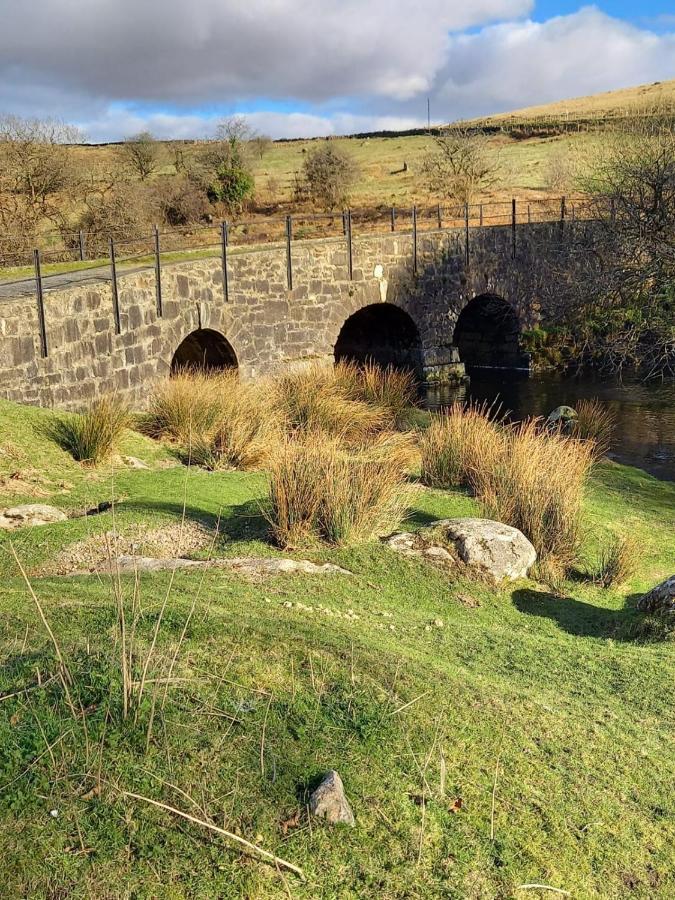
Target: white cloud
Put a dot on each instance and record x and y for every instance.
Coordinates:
(517, 64)
(220, 50)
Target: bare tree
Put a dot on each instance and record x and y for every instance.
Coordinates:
(328, 175)
(261, 143)
(36, 170)
(461, 165)
(142, 152)
(621, 308)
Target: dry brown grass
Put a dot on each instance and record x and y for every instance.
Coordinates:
(322, 492)
(187, 405)
(595, 423)
(459, 445)
(537, 486)
(315, 399)
(91, 436)
(388, 388)
(617, 562)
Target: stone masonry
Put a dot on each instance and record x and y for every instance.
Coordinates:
(267, 325)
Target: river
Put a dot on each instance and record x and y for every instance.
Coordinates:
(644, 412)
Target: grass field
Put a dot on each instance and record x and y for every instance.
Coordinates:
(526, 740)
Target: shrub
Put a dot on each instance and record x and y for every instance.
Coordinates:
(537, 486)
(460, 446)
(617, 562)
(320, 491)
(595, 423)
(328, 175)
(90, 437)
(187, 405)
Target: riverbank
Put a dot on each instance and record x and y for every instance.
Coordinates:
(487, 737)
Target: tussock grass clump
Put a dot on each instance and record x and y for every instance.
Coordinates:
(617, 562)
(595, 423)
(314, 399)
(388, 388)
(187, 405)
(459, 446)
(91, 436)
(321, 491)
(537, 486)
(244, 436)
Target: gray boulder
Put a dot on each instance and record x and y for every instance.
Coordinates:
(329, 802)
(500, 551)
(660, 600)
(29, 515)
(562, 417)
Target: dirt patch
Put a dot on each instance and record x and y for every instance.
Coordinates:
(93, 553)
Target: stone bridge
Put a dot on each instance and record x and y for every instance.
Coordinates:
(432, 307)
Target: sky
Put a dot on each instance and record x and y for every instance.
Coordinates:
(304, 68)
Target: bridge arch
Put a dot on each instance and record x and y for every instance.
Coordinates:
(487, 333)
(204, 349)
(381, 333)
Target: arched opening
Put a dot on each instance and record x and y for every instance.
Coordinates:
(204, 350)
(487, 334)
(383, 334)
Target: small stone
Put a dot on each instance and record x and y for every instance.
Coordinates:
(134, 463)
(438, 623)
(329, 802)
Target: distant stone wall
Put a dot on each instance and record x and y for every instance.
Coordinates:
(268, 326)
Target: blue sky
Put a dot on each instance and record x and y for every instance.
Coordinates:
(312, 67)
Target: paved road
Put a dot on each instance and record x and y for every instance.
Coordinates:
(25, 287)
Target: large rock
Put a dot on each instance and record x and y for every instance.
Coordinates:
(562, 417)
(660, 600)
(500, 551)
(30, 514)
(496, 550)
(329, 801)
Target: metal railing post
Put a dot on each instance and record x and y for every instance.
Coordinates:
(83, 252)
(513, 228)
(480, 215)
(350, 249)
(562, 216)
(42, 325)
(113, 279)
(289, 259)
(224, 239)
(414, 228)
(466, 233)
(158, 272)
(439, 213)
(393, 218)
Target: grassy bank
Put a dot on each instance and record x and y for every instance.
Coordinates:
(488, 738)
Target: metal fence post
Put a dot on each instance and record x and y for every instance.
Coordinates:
(414, 228)
(289, 260)
(466, 233)
(350, 253)
(393, 218)
(480, 215)
(440, 217)
(42, 325)
(562, 216)
(158, 272)
(115, 295)
(223, 255)
(513, 228)
(83, 252)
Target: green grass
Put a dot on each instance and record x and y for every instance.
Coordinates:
(549, 692)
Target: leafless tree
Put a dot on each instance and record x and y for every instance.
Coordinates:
(141, 152)
(461, 165)
(261, 143)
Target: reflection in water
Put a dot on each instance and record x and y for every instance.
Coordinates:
(645, 413)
